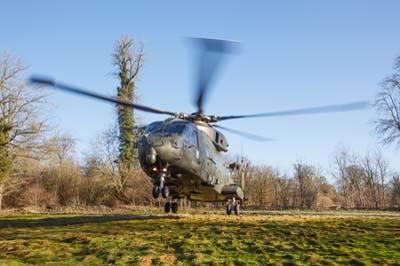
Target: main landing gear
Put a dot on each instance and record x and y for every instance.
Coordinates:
(171, 206)
(233, 205)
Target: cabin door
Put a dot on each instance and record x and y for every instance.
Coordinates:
(208, 171)
(193, 150)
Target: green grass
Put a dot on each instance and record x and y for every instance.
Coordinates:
(262, 238)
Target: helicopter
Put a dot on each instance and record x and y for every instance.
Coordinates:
(185, 155)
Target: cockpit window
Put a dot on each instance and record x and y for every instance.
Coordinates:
(175, 128)
(193, 139)
(155, 126)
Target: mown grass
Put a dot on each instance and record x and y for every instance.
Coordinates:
(273, 238)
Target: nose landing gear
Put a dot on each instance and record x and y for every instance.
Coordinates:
(164, 190)
(156, 192)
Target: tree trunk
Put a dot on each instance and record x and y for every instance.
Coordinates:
(383, 199)
(1, 194)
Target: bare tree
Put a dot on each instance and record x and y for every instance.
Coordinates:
(107, 147)
(101, 166)
(350, 178)
(395, 191)
(281, 188)
(21, 121)
(371, 180)
(341, 161)
(284, 191)
(387, 105)
(382, 171)
(356, 178)
(362, 179)
(307, 178)
(257, 185)
(60, 146)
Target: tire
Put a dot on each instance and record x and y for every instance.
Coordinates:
(237, 209)
(228, 209)
(174, 207)
(167, 207)
(165, 192)
(156, 192)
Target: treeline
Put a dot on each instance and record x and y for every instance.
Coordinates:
(357, 182)
(59, 179)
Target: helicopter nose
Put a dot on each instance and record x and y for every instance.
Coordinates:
(166, 148)
(151, 155)
(147, 154)
(148, 149)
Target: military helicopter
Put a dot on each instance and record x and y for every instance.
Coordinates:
(185, 155)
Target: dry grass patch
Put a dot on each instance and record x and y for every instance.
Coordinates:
(145, 261)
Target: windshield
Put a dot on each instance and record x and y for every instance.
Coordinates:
(153, 127)
(174, 128)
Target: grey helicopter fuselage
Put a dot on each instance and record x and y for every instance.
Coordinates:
(189, 157)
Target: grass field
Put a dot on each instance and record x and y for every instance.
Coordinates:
(259, 238)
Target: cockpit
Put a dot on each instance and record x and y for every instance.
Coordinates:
(176, 128)
(168, 141)
(153, 127)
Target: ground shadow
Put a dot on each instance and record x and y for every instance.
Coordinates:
(70, 220)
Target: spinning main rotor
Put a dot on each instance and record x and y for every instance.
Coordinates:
(212, 53)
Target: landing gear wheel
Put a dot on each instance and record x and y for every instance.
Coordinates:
(174, 207)
(228, 209)
(156, 192)
(237, 209)
(165, 192)
(167, 207)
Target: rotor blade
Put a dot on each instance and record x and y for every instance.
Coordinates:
(305, 111)
(244, 134)
(64, 87)
(210, 55)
